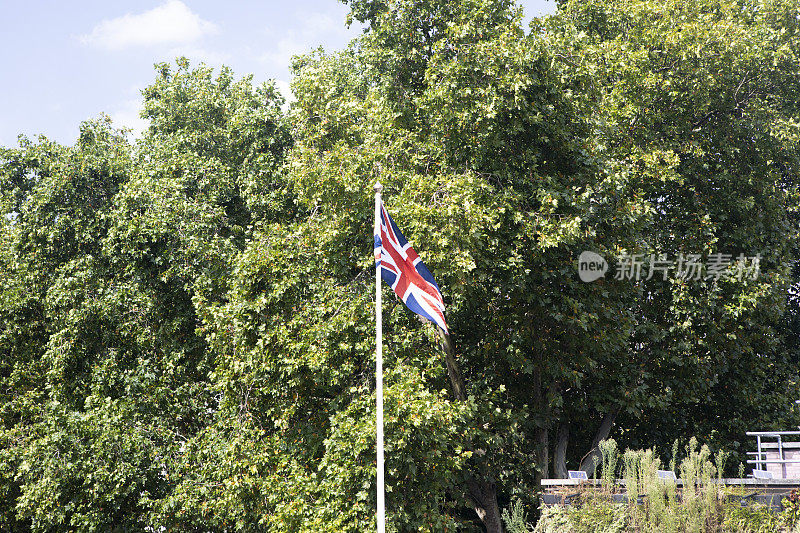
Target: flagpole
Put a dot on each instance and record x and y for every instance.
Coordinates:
(381, 517)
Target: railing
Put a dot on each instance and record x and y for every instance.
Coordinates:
(761, 459)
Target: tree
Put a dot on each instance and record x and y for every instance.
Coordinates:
(186, 322)
(121, 250)
(513, 153)
(56, 201)
(499, 239)
(699, 95)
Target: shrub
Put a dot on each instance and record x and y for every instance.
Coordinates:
(596, 514)
(654, 504)
(515, 519)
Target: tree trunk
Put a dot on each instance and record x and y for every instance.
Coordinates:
(453, 372)
(484, 497)
(541, 435)
(592, 459)
(481, 490)
(542, 442)
(560, 454)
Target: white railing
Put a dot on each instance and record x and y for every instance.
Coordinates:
(761, 460)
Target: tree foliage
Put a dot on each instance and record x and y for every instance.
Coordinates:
(186, 333)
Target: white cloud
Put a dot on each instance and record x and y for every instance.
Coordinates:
(281, 54)
(171, 23)
(127, 116)
(311, 29)
(197, 55)
(286, 91)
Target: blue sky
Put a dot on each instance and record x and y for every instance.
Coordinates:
(65, 62)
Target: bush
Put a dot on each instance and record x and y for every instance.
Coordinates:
(654, 504)
(596, 514)
(515, 519)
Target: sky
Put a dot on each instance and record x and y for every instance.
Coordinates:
(66, 62)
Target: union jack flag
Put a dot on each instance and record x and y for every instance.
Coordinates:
(405, 272)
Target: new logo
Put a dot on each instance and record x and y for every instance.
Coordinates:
(591, 266)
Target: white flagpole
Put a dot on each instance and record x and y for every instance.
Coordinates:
(381, 518)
